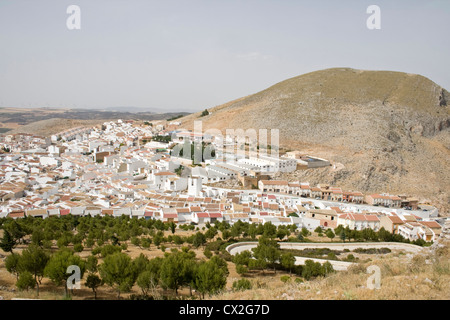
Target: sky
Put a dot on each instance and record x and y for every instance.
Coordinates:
(188, 55)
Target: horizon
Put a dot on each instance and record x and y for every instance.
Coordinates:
(184, 57)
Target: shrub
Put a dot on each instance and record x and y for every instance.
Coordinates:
(109, 249)
(207, 253)
(298, 280)
(285, 279)
(241, 269)
(78, 247)
(204, 113)
(350, 258)
(26, 281)
(241, 285)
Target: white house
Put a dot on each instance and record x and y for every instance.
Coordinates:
(357, 221)
(410, 230)
(273, 186)
(162, 179)
(200, 217)
(195, 186)
(49, 161)
(310, 223)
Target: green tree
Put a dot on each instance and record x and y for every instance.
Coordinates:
(58, 264)
(270, 230)
(342, 236)
(305, 232)
(34, 260)
(373, 236)
(257, 264)
(8, 242)
(171, 272)
(188, 269)
(136, 241)
(149, 278)
(64, 240)
(242, 258)
(338, 229)
(209, 278)
(267, 251)
(93, 282)
(288, 261)
(15, 230)
(330, 234)
(78, 247)
(311, 269)
(208, 254)
(146, 281)
(172, 227)
(252, 231)
(116, 271)
(25, 281)
(384, 235)
(109, 249)
(37, 237)
(318, 230)
(241, 269)
(281, 233)
(139, 264)
(199, 239)
(348, 233)
(12, 264)
(327, 268)
(178, 240)
(146, 242)
(92, 264)
(211, 233)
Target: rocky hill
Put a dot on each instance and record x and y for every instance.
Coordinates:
(386, 131)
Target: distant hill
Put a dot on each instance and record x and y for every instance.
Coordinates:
(388, 131)
(45, 121)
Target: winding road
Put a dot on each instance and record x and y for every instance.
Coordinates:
(337, 265)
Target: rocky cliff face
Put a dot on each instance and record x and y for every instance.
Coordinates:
(388, 131)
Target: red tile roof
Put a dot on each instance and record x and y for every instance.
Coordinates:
(275, 182)
(431, 224)
(395, 219)
(64, 212)
(165, 173)
(215, 215)
(202, 214)
(170, 215)
(16, 214)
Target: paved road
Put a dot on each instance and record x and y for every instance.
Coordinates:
(337, 265)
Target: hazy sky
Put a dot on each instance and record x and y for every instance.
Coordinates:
(189, 55)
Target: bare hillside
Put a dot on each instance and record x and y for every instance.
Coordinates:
(54, 125)
(388, 130)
